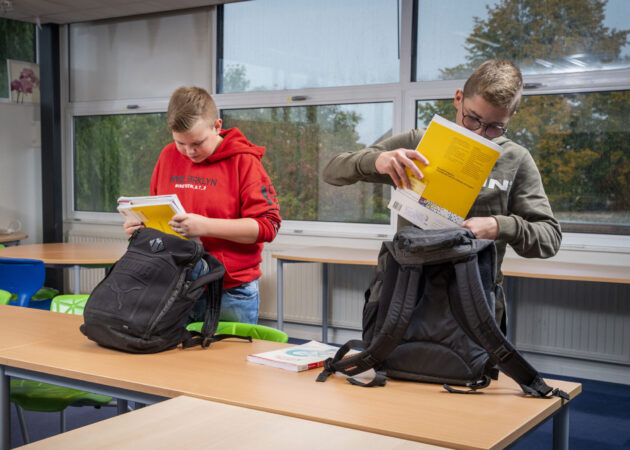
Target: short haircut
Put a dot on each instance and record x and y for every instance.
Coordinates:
(497, 81)
(187, 105)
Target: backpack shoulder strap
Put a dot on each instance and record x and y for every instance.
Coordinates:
(479, 321)
(404, 284)
(214, 282)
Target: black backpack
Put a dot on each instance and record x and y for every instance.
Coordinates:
(429, 316)
(143, 303)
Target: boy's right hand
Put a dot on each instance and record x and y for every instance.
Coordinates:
(131, 225)
(394, 162)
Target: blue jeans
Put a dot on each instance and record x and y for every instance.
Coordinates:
(238, 303)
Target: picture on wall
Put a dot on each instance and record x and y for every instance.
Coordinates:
(23, 81)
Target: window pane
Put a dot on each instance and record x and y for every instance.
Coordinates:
(301, 140)
(139, 57)
(17, 41)
(541, 36)
(294, 44)
(113, 156)
(581, 145)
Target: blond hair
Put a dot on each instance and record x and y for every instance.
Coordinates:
(187, 105)
(497, 81)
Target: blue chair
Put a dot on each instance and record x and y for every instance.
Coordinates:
(23, 277)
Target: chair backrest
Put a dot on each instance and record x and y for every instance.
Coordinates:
(5, 296)
(246, 329)
(69, 304)
(22, 277)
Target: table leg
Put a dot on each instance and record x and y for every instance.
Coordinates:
(122, 406)
(280, 294)
(325, 303)
(77, 279)
(561, 428)
(5, 413)
(510, 308)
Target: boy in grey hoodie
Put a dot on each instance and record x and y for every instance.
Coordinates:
(512, 207)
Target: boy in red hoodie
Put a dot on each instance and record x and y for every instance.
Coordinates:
(230, 202)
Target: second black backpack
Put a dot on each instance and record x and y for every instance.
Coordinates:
(143, 303)
(429, 316)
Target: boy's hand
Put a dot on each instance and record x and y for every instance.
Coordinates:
(482, 227)
(131, 225)
(394, 162)
(188, 225)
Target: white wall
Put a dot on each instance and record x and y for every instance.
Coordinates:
(20, 168)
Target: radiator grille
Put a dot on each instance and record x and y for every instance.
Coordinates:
(303, 292)
(89, 278)
(576, 319)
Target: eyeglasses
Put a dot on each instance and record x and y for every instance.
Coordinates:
(489, 130)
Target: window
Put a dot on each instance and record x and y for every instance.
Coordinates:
(575, 58)
(17, 41)
(301, 140)
(114, 155)
(581, 145)
(308, 80)
(139, 58)
(541, 37)
(295, 44)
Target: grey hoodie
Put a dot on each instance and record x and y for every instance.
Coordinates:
(513, 194)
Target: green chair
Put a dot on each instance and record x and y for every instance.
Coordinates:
(245, 329)
(36, 396)
(4, 297)
(42, 299)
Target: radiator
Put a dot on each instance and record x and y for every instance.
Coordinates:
(303, 292)
(577, 319)
(89, 278)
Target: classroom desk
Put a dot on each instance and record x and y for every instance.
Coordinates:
(12, 238)
(69, 255)
(191, 423)
(414, 411)
(511, 267)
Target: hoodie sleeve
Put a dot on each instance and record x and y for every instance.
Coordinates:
(259, 200)
(350, 167)
(530, 228)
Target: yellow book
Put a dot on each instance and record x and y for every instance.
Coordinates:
(459, 164)
(153, 211)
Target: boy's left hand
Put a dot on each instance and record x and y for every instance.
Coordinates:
(482, 227)
(188, 225)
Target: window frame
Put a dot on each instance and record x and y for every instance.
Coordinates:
(403, 96)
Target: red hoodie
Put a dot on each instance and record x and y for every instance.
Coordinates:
(230, 184)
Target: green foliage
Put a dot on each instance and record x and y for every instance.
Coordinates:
(114, 155)
(299, 142)
(17, 41)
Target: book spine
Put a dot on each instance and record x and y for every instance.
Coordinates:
(315, 365)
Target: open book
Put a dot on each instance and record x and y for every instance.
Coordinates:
(459, 164)
(299, 357)
(154, 211)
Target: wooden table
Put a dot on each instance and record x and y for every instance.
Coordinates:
(13, 238)
(191, 423)
(511, 267)
(69, 254)
(406, 410)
